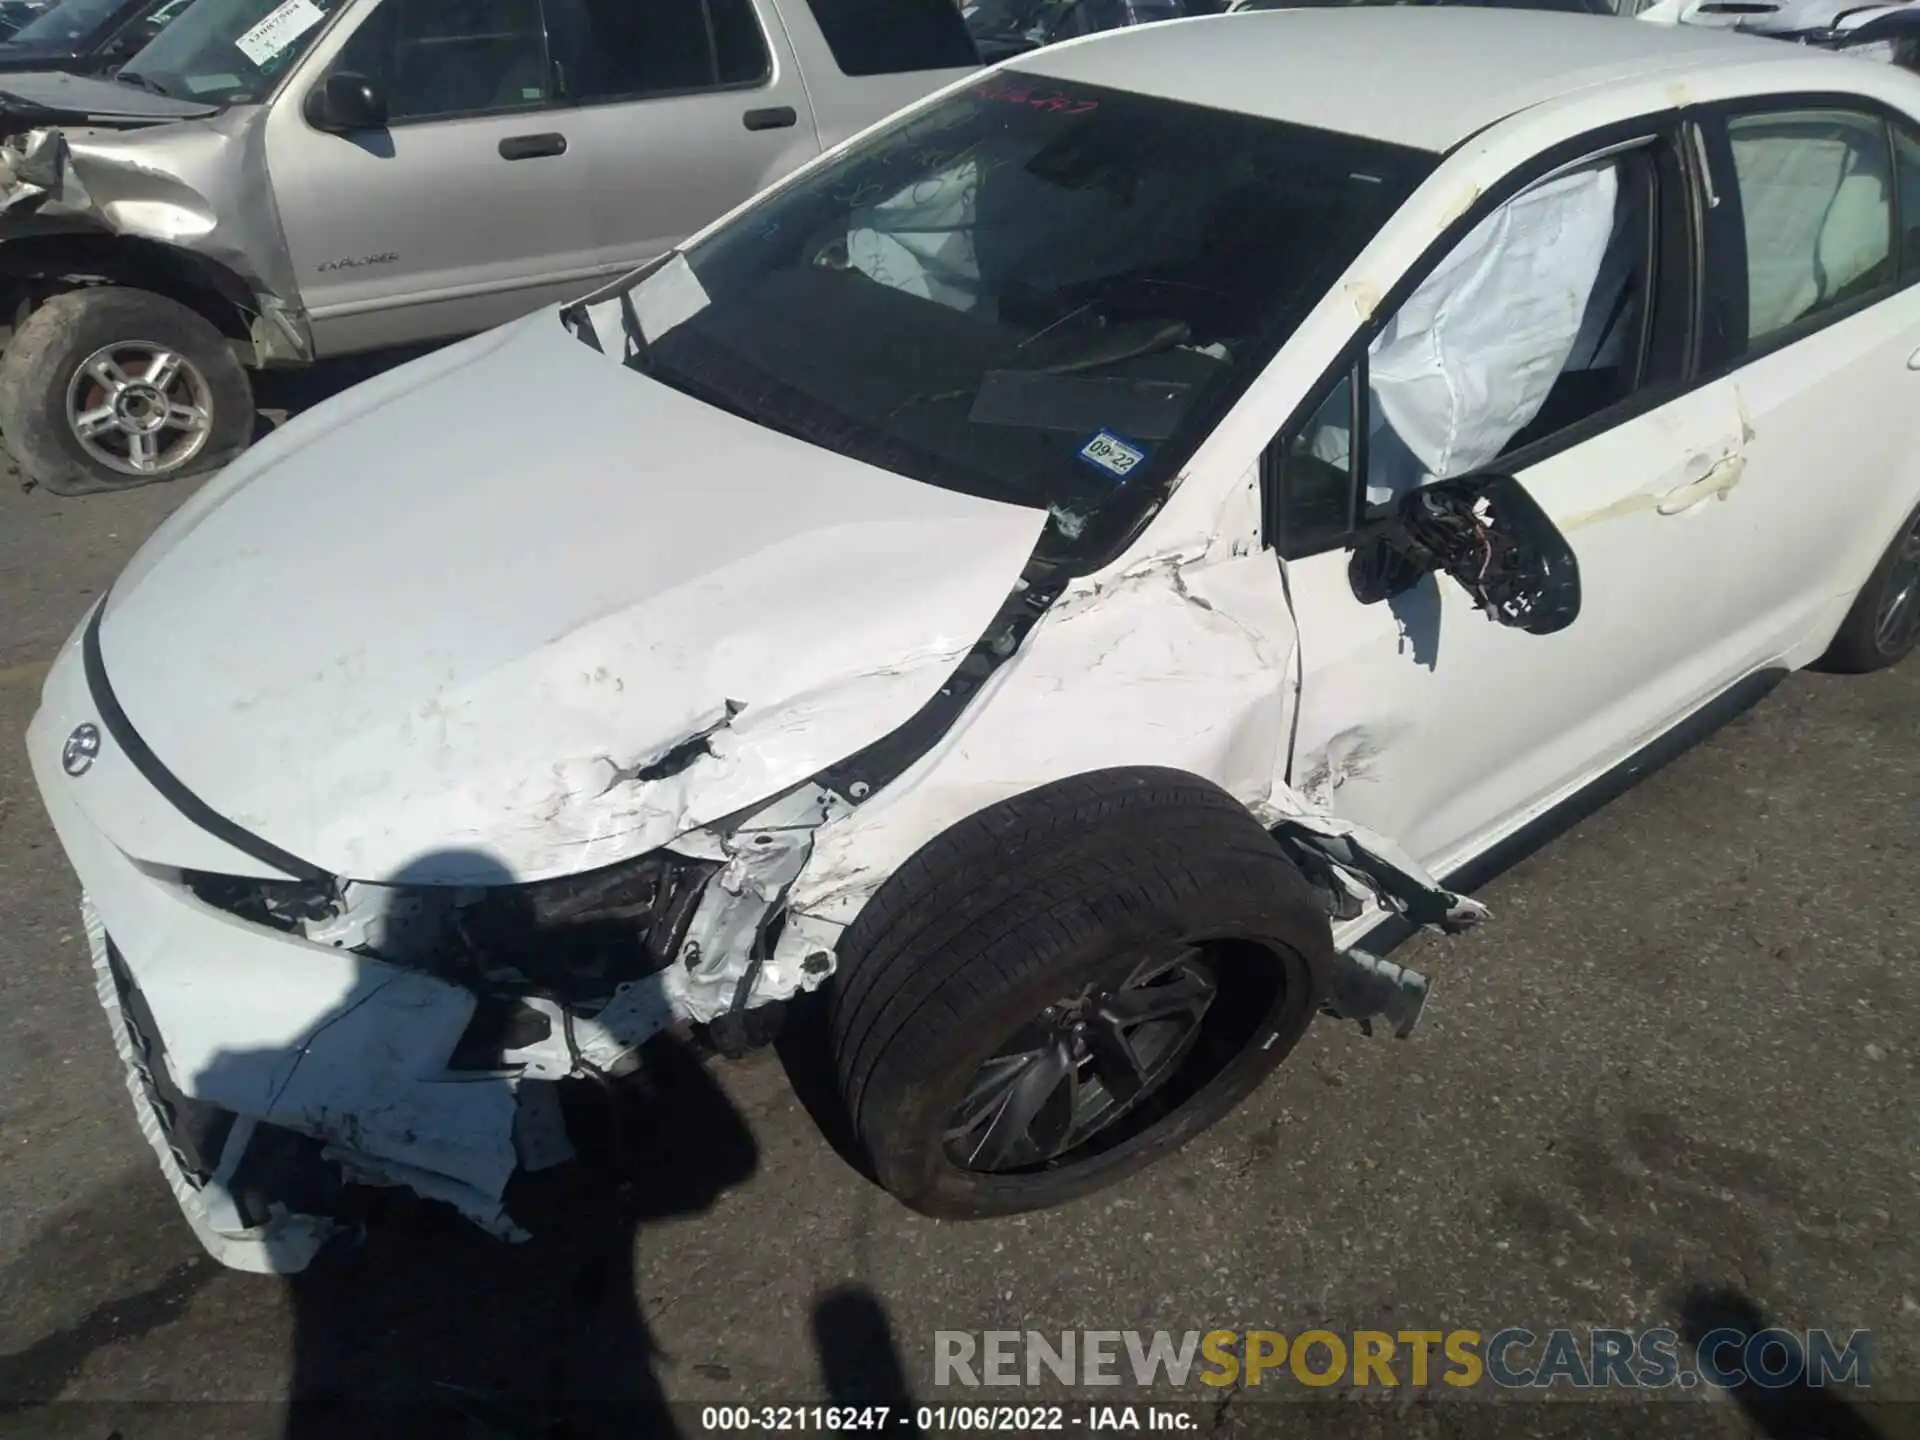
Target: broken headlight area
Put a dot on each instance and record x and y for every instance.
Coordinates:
(529, 952)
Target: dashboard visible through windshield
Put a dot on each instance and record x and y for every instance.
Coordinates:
(1038, 293)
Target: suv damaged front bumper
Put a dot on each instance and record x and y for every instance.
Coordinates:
(197, 186)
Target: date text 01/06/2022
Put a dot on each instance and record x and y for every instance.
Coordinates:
(946, 1419)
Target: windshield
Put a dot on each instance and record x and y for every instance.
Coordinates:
(1037, 293)
(66, 25)
(229, 52)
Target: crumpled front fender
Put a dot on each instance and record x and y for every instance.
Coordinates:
(198, 186)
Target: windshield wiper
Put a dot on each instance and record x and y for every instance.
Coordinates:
(145, 82)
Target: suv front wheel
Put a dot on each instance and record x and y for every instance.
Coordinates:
(109, 388)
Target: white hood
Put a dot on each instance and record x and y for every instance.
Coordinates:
(431, 629)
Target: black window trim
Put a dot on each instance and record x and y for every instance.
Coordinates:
(551, 68)
(1591, 147)
(1726, 244)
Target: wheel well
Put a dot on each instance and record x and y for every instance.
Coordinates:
(35, 268)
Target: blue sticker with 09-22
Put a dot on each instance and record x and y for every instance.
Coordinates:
(1112, 453)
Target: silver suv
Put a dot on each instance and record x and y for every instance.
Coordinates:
(271, 182)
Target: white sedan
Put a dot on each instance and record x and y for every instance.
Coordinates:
(1061, 573)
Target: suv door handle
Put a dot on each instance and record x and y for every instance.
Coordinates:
(1715, 483)
(528, 147)
(776, 117)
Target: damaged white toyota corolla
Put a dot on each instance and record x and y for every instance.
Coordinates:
(1059, 572)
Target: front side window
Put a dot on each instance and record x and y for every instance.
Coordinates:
(1038, 293)
(1816, 219)
(229, 52)
(433, 58)
(1532, 324)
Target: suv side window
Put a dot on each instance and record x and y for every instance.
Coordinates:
(892, 37)
(1815, 206)
(439, 58)
(631, 49)
(1540, 320)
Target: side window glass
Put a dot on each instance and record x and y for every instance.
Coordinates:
(630, 49)
(452, 57)
(1816, 213)
(891, 37)
(1535, 322)
(1906, 146)
(1315, 476)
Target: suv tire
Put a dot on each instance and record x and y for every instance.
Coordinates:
(79, 412)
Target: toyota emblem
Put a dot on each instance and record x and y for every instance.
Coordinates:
(77, 755)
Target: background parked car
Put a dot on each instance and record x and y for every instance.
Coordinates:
(1889, 33)
(1571, 7)
(272, 183)
(87, 36)
(1002, 28)
(15, 13)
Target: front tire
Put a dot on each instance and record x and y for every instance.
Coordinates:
(1883, 627)
(1069, 985)
(109, 388)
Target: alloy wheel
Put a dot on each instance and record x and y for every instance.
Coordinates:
(140, 408)
(1084, 1065)
(1896, 619)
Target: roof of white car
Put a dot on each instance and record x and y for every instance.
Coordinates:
(1426, 76)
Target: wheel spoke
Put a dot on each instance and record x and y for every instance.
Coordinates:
(91, 423)
(140, 450)
(1898, 618)
(108, 372)
(1010, 1133)
(1186, 995)
(188, 417)
(162, 369)
(1115, 1061)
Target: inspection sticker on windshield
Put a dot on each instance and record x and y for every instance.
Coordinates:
(286, 24)
(1112, 454)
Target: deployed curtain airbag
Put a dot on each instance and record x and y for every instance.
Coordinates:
(1469, 359)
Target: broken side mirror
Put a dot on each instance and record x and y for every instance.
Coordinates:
(344, 102)
(1491, 536)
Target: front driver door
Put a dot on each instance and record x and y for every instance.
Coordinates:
(1551, 342)
(463, 211)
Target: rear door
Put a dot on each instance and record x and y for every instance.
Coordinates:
(864, 59)
(677, 110)
(1814, 334)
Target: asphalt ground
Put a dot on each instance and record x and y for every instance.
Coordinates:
(1671, 1084)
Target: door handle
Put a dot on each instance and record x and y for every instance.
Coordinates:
(1716, 483)
(774, 117)
(1913, 361)
(528, 147)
